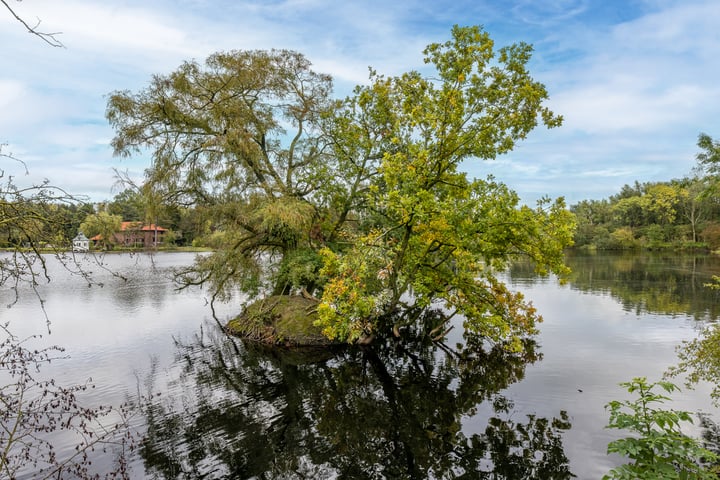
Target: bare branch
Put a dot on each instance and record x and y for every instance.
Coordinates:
(11, 157)
(48, 37)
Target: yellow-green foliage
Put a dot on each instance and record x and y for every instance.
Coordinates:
(285, 218)
(353, 296)
(700, 357)
(103, 224)
(700, 360)
(624, 238)
(715, 284)
(438, 235)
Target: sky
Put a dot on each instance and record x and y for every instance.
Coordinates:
(635, 80)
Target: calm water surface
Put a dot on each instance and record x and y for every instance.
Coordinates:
(227, 410)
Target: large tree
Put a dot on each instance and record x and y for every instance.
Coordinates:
(432, 231)
(360, 201)
(709, 163)
(709, 157)
(104, 224)
(129, 205)
(239, 135)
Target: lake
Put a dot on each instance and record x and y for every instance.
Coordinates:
(214, 407)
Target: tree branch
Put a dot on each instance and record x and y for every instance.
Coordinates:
(49, 38)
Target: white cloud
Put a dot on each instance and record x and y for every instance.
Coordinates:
(549, 12)
(103, 26)
(686, 27)
(645, 74)
(634, 94)
(619, 105)
(10, 92)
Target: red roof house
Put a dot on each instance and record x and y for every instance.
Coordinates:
(137, 234)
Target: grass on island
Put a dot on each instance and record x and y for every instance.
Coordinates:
(280, 320)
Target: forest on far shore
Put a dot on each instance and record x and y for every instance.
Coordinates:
(680, 214)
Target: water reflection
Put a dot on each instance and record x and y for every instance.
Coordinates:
(230, 411)
(388, 411)
(669, 284)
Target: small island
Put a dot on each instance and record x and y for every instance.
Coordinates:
(286, 320)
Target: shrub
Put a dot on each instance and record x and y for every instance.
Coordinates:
(711, 235)
(623, 238)
(658, 448)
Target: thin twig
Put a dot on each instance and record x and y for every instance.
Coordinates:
(49, 38)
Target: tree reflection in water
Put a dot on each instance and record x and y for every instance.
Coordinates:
(647, 282)
(392, 410)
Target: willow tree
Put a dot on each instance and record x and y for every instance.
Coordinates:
(239, 135)
(361, 201)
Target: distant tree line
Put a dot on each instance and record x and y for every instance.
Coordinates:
(680, 213)
(51, 221)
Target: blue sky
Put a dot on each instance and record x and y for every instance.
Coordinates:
(636, 80)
